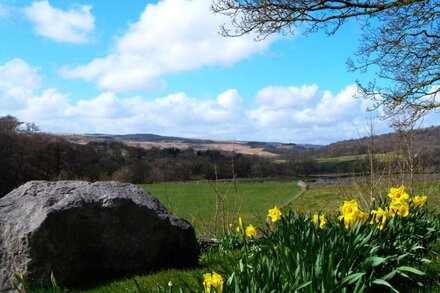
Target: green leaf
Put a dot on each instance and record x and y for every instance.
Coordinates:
(376, 260)
(384, 283)
(352, 278)
(53, 281)
(411, 270)
(303, 285)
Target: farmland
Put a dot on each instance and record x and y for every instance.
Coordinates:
(196, 202)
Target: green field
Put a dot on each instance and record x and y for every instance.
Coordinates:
(196, 202)
(327, 199)
(344, 164)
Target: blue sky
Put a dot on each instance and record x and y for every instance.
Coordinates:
(161, 67)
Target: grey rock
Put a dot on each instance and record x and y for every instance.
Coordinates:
(87, 232)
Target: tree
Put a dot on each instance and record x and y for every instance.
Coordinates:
(400, 41)
(9, 124)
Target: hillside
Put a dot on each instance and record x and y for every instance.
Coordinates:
(149, 141)
(426, 138)
(423, 139)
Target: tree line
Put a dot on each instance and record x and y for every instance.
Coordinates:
(28, 154)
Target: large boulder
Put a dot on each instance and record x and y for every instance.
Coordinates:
(86, 232)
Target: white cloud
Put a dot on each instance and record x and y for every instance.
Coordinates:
(71, 26)
(322, 116)
(295, 106)
(171, 36)
(281, 97)
(18, 80)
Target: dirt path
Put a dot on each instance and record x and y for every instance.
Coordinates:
(291, 200)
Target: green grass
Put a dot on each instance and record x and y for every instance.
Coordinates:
(196, 202)
(344, 164)
(327, 199)
(340, 159)
(188, 280)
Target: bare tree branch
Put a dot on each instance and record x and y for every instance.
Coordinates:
(400, 41)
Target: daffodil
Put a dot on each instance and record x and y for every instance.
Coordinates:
(316, 219)
(322, 221)
(379, 217)
(349, 220)
(349, 207)
(251, 232)
(419, 200)
(403, 210)
(239, 228)
(362, 216)
(274, 214)
(213, 280)
(350, 214)
(399, 208)
(398, 194)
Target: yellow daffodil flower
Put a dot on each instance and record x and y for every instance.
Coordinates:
(379, 217)
(398, 194)
(419, 200)
(322, 221)
(350, 214)
(349, 207)
(403, 210)
(213, 280)
(316, 219)
(349, 219)
(399, 208)
(251, 232)
(274, 214)
(239, 228)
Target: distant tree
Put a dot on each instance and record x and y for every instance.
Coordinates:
(9, 124)
(401, 40)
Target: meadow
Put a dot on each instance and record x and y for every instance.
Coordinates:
(200, 203)
(327, 199)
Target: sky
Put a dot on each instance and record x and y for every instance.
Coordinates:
(162, 67)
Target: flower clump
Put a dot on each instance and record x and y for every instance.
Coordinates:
(399, 206)
(350, 214)
(213, 280)
(319, 219)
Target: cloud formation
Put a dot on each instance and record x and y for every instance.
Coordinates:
(171, 36)
(18, 81)
(67, 26)
(299, 114)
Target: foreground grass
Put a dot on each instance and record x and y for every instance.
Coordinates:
(196, 202)
(189, 280)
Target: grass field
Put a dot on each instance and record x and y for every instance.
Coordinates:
(328, 199)
(343, 164)
(196, 202)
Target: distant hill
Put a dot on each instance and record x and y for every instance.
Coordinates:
(148, 141)
(424, 138)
